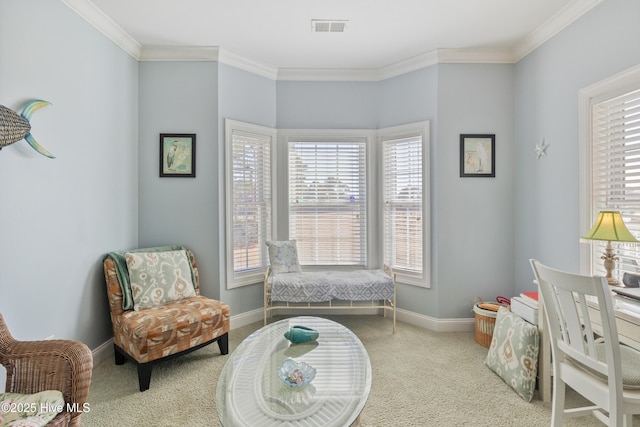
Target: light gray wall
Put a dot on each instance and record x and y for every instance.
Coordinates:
(59, 217)
(327, 105)
(600, 44)
(181, 97)
(475, 216)
(409, 98)
(195, 97)
(248, 98)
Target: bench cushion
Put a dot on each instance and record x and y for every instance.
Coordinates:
(322, 286)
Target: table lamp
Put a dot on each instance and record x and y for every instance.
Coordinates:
(610, 227)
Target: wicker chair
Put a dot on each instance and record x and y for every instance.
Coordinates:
(34, 366)
(153, 335)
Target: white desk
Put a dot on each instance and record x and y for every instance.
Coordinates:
(628, 323)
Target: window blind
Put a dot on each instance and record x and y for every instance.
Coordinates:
(403, 214)
(327, 202)
(616, 172)
(251, 199)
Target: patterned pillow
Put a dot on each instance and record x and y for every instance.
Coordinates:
(159, 277)
(32, 410)
(283, 256)
(513, 353)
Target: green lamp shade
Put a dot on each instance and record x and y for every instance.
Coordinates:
(609, 226)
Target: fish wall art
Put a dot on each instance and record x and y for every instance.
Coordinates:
(15, 127)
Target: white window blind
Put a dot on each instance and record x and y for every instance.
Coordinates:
(249, 200)
(615, 172)
(327, 201)
(403, 203)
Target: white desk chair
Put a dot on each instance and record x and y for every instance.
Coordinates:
(603, 371)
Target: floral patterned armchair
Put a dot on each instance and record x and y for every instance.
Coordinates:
(151, 323)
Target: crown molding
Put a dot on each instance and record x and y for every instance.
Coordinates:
(205, 53)
(558, 22)
(327, 75)
(438, 56)
(238, 61)
(94, 16)
(179, 53)
(88, 11)
(475, 56)
(412, 64)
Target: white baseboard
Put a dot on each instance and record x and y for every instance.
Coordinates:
(436, 325)
(427, 322)
(105, 350)
(323, 311)
(246, 318)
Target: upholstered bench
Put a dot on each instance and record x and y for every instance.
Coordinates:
(156, 308)
(287, 287)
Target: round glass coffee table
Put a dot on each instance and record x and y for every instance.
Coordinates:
(250, 393)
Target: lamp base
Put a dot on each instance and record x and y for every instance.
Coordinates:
(613, 282)
(610, 259)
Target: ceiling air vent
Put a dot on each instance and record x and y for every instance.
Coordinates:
(328, 26)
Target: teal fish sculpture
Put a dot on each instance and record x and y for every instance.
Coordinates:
(301, 334)
(14, 126)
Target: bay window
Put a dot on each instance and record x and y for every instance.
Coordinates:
(350, 199)
(249, 200)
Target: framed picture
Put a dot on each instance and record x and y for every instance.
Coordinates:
(477, 155)
(178, 155)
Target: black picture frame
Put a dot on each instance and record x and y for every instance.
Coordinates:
(178, 155)
(478, 155)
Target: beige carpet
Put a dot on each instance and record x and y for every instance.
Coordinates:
(420, 378)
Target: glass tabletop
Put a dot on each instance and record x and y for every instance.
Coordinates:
(250, 393)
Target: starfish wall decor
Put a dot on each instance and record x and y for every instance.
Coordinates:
(541, 149)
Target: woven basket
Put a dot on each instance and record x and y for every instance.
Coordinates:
(485, 322)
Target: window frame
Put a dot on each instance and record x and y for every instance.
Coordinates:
(411, 130)
(609, 88)
(238, 279)
(367, 136)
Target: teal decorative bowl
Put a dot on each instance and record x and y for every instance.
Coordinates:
(296, 374)
(301, 334)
